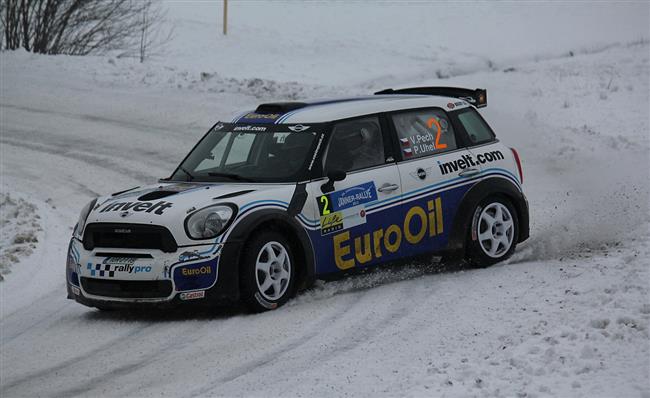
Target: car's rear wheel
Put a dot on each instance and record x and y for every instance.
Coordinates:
(267, 271)
(492, 236)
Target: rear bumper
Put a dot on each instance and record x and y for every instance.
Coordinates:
(199, 275)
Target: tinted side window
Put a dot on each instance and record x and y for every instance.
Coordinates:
(477, 130)
(424, 132)
(355, 145)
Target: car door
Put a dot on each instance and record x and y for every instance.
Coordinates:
(435, 172)
(352, 224)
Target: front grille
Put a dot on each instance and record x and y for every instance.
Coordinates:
(129, 236)
(126, 289)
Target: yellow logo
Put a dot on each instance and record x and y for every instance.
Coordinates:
(262, 116)
(331, 222)
(196, 271)
(372, 245)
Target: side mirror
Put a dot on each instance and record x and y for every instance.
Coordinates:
(332, 177)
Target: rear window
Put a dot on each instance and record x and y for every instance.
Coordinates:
(477, 130)
(424, 132)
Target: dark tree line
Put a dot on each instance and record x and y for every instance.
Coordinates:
(81, 27)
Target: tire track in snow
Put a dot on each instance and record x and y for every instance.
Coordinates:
(92, 160)
(288, 346)
(94, 119)
(76, 360)
(43, 316)
(112, 376)
(364, 327)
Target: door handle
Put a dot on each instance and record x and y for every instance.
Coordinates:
(388, 187)
(469, 172)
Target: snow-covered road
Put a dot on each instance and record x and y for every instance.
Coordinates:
(568, 316)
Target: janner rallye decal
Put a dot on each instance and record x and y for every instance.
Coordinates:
(345, 209)
(349, 197)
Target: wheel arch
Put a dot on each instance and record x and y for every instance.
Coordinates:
(279, 220)
(483, 189)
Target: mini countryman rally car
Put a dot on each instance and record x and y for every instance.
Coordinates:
(293, 191)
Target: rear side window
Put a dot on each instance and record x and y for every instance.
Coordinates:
(424, 132)
(355, 144)
(477, 130)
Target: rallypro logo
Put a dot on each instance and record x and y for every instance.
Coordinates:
(468, 161)
(119, 264)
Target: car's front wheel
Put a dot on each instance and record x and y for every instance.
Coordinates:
(267, 271)
(493, 232)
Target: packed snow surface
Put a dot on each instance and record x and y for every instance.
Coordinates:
(568, 315)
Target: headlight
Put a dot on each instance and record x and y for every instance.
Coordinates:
(209, 222)
(83, 216)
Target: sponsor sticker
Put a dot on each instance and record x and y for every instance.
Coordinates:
(466, 161)
(193, 295)
(313, 158)
(343, 219)
(250, 128)
(148, 207)
(119, 260)
(345, 208)
(195, 276)
(204, 270)
(189, 256)
(347, 198)
(331, 222)
(420, 222)
(125, 265)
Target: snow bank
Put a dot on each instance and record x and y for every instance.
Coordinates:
(19, 230)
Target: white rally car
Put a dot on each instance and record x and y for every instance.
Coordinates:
(295, 191)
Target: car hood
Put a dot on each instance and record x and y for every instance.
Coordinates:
(168, 204)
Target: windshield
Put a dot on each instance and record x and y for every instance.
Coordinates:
(246, 154)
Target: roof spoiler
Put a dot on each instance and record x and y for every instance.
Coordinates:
(477, 97)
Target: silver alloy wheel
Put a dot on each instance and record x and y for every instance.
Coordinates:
(273, 270)
(496, 230)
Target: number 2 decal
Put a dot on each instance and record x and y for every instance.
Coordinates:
(324, 200)
(430, 123)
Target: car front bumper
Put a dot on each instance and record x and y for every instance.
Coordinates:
(129, 278)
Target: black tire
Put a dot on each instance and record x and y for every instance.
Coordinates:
(252, 280)
(477, 253)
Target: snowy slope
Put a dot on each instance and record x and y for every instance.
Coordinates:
(568, 316)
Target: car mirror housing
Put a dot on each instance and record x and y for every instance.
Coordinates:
(332, 177)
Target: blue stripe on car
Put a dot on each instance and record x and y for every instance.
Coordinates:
(324, 102)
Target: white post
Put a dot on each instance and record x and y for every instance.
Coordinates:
(225, 17)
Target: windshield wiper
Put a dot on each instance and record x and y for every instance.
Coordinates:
(191, 177)
(230, 175)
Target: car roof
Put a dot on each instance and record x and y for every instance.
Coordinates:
(325, 110)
